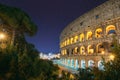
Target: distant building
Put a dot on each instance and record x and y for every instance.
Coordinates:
(49, 56)
(86, 39)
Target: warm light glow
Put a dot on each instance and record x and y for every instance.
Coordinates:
(111, 57)
(68, 41)
(65, 42)
(109, 28)
(82, 50)
(89, 35)
(76, 49)
(98, 32)
(75, 39)
(103, 52)
(90, 49)
(2, 36)
(81, 37)
(71, 40)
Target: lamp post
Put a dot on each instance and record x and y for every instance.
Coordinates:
(2, 37)
(111, 57)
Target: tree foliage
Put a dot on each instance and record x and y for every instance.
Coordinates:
(20, 61)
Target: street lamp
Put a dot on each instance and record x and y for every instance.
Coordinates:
(103, 52)
(111, 57)
(2, 36)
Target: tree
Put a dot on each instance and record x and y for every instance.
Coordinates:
(19, 23)
(85, 74)
(20, 60)
(112, 67)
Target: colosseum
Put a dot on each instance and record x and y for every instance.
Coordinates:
(87, 39)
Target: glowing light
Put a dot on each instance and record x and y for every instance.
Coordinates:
(103, 52)
(2, 36)
(111, 57)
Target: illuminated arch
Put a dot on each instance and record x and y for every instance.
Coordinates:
(89, 35)
(76, 50)
(83, 65)
(100, 65)
(90, 49)
(82, 50)
(100, 48)
(65, 51)
(110, 29)
(91, 63)
(72, 63)
(71, 40)
(75, 39)
(81, 37)
(98, 33)
(68, 62)
(65, 42)
(68, 41)
(76, 64)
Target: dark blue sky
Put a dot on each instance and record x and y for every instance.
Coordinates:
(51, 16)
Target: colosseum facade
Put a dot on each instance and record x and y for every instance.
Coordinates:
(87, 39)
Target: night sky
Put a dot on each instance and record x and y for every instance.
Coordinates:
(51, 16)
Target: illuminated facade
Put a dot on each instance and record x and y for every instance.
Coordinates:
(88, 38)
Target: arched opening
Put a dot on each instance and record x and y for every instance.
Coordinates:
(72, 52)
(100, 48)
(76, 50)
(90, 49)
(82, 50)
(72, 63)
(65, 42)
(65, 62)
(98, 33)
(68, 62)
(75, 39)
(83, 65)
(67, 52)
(100, 65)
(71, 40)
(89, 35)
(110, 30)
(68, 41)
(81, 37)
(76, 64)
(63, 52)
(91, 63)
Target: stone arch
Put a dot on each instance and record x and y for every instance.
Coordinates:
(91, 63)
(76, 50)
(83, 65)
(90, 49)
(100, 48)
(89, 35)
(76, 64)
(68, 41)
(98, 33)
(72, 62)
(72, 51)
(82, 37)
(75, 39)
(110, 29)
(67, 51)
(71, 40)
(100, 65)
(69, 62)
(82, 50)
